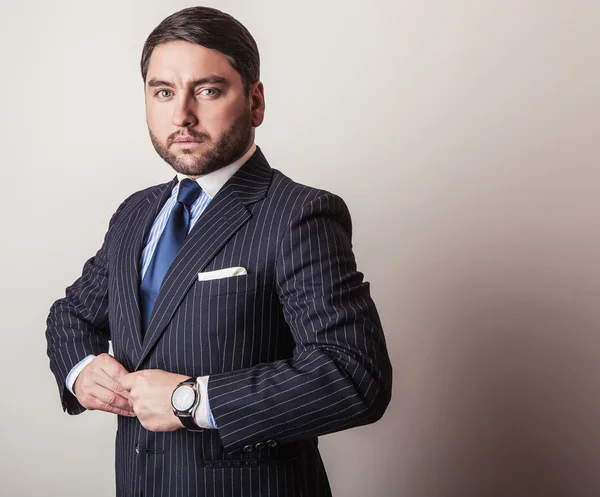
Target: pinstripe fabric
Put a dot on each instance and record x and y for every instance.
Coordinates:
(294, 349)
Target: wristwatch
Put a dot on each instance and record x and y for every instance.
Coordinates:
(184, 400)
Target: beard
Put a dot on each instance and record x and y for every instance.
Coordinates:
(230, 146)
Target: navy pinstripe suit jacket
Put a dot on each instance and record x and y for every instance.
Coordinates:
(294, 349)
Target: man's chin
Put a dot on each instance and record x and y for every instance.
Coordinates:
(190, 166)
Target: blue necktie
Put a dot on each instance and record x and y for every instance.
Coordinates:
(170, 242)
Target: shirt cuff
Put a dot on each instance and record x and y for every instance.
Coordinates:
(74, 373)
(203, 416)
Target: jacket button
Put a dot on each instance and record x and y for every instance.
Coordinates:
(271, 443)
(137, 449)
(260, 445)
(248, 448)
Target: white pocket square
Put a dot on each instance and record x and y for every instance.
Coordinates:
(221, 273)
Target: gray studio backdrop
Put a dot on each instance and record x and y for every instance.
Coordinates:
(464, 136)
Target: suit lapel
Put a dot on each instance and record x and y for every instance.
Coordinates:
(223, 217)
(127, 260)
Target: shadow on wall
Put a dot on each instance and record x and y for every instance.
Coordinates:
(499, 367)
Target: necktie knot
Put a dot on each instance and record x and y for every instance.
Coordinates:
(189, 191)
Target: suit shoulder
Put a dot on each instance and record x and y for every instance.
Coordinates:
(284, 186)
(133, 200)
(150, 191)
(295, 200)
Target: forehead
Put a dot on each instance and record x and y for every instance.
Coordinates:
(181, 61)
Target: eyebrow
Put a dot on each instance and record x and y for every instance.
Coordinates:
(210, 80)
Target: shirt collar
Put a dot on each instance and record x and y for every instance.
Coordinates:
(211, 183)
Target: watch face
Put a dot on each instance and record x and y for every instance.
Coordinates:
(183, 398)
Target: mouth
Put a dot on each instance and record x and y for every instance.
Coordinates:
(187, 142)
(190, 138)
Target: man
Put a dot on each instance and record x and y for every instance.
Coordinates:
(240, 326)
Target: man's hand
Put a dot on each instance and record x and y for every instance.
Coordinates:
(150, 393)
(99, 387)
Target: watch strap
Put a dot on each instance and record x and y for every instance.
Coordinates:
(189, 423)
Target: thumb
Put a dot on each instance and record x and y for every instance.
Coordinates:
(127, 381)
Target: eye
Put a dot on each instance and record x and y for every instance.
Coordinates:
(163, 93)
(209, 92)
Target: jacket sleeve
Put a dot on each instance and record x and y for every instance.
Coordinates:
(340, 374)
(77, 324)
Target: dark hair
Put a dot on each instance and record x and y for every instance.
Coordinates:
(212, 29)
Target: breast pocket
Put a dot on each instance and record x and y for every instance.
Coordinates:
(228, 313)
(226, 286)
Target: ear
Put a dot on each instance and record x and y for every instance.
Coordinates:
(257, 103)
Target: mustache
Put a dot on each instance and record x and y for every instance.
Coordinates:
(195, 135)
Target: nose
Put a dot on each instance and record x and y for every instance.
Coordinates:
(184, 113)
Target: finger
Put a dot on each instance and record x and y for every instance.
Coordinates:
(120, 412)
(105, 397)
(113, 368)
(128, 414)
(128, 381)
(102, 378)
(97, 405)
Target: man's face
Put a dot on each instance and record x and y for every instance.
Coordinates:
(199, 116)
